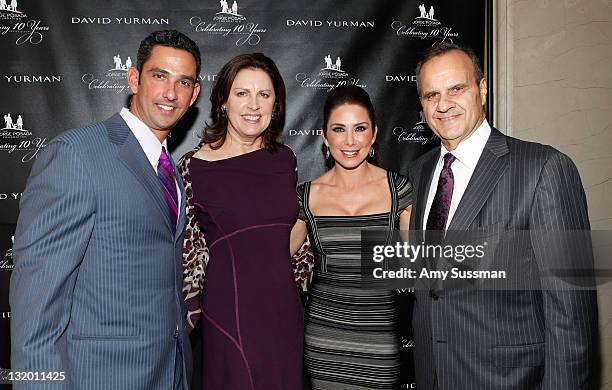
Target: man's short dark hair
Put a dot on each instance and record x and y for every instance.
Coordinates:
(443, 48)
(169, 38)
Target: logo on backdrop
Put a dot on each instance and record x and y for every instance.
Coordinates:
(305, 132)
(400, 78)
(106, 20)
(8, 10)
(228, 14)
(5, 315)
(329, 23)
(120, 65)
(15, 23)
(427, 17)
(16, 138)
(6, 262)
(425, 26)
(407, 343)
(10, 195)
(33, 79)
(419, 134)
(207, 77)
(113, 79)
(331, 75)
(332, 69)
(230, 22)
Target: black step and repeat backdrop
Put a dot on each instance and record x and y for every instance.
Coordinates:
(64, 65)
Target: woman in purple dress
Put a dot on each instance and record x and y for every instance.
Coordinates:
(241, 202)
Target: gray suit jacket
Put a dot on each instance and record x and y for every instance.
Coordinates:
(508, 339)
(96, 289)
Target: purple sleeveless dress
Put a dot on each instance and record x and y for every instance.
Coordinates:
(252, 317)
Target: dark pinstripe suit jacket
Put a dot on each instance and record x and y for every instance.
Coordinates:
(526, 339)
(96, 289)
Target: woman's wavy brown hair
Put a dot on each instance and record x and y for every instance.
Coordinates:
(215, 133)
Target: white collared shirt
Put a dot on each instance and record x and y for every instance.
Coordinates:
(467, 155)
(148, 142)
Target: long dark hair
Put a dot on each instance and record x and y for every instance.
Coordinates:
(348, 94)
(215, 132)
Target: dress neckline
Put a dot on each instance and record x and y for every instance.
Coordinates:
(228, 158)
(384, 213)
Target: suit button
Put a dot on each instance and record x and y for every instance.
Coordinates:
(433, 295)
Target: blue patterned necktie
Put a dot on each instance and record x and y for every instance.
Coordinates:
(165, 173)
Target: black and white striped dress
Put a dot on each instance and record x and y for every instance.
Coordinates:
(352, 337)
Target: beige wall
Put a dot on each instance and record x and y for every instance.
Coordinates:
(554, 85)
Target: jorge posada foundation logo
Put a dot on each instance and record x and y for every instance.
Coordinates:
(14, 22)
(419, 134)
(15, 138)
(230, 22)
(6, 262)
(8, 10)
(113, 79)
(425, 26)
(331, 75)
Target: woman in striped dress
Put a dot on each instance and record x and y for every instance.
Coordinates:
(352, 337)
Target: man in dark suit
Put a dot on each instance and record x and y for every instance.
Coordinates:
(480, 180)
(96, 289)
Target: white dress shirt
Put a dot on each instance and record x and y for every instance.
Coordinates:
(467, 155)
(148, 142)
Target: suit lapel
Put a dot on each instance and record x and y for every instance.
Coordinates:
(489, 169)
(491, 166)
(134, 158)
(423, 187)
(182, 218)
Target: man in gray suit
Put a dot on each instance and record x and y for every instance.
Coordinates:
(96, 289)
(480, 180)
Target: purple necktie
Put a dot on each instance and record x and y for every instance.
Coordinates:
(438, 214)
(165, 172)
